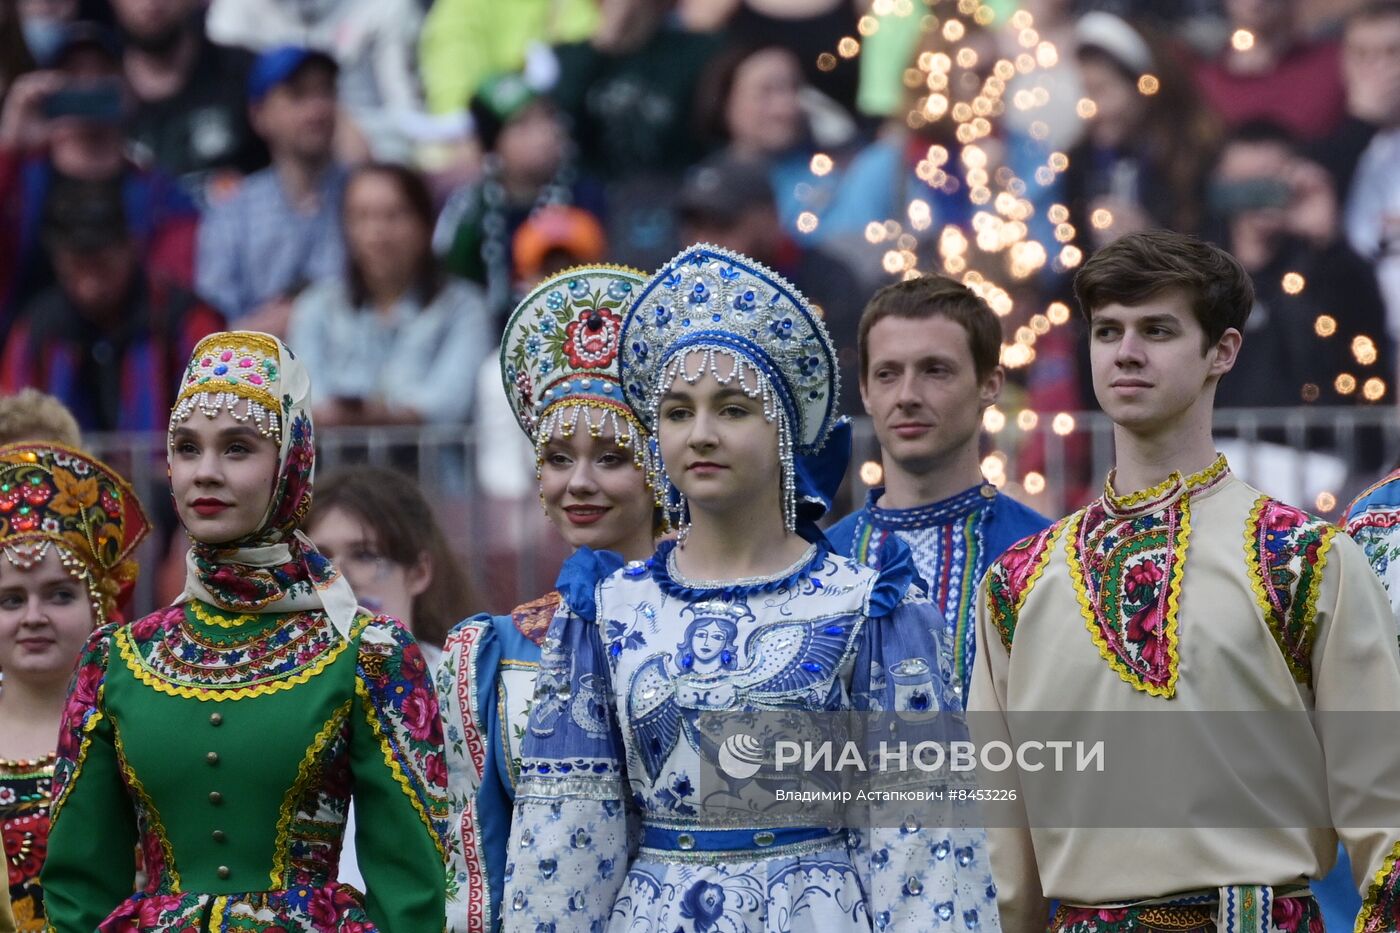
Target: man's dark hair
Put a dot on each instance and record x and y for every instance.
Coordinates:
(932, 296)
(1141, 266)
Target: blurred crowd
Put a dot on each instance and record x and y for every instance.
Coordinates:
(379, 181)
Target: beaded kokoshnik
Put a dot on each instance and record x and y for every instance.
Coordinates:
(708, 303)
(237, 370)
(52, 496)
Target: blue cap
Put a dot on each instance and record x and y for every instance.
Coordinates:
(277, 65)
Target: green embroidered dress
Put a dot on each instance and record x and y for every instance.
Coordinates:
(227, 734)
(228, 749)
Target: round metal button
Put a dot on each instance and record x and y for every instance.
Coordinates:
(224, 872)
(220, 836)
(212, 758)
(215, 797)
(216, 719)
(685, 841)
(764, 838)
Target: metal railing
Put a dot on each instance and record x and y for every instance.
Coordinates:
(1317, 458)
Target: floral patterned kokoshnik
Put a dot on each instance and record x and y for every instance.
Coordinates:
(54, 495)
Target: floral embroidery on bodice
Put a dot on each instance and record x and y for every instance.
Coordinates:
(1126, 556)
(198, 651)
(26, 791)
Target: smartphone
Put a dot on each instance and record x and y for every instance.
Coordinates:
(98, 101)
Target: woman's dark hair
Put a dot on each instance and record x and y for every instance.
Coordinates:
(717, 83)
(430, 277)
(1178, 130)
(390, 504)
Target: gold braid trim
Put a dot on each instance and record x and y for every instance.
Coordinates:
(1258, 573)
(1367, 920)
(155, 825)
(396, 768)
(308, 771)
(219, 694)
(1076, 575)
(83, 746)
(1042, 561)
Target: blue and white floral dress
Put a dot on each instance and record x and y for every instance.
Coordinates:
(633, 652)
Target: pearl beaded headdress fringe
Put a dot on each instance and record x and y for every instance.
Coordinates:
(559, 364)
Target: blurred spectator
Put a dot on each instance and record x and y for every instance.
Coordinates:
(466, 41)
(107, 340)
(529, 164)
(43, 23)
(15, 58)
(1371, 74)
(909, 175)
(729, 202)
(810, 29)
(1145, 156)
(379, 529)
(31, 415)
(373, 41)
(1315, 298)
(629, 94)
(281, 231)
(753, 100)
(393, 339)
(554, 239)
(1373, 203)
(191, 114)
(61, 130)
(1269, 71)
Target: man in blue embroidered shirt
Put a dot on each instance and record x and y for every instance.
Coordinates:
(929, 351)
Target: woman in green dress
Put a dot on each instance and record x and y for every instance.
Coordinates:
(226, 734)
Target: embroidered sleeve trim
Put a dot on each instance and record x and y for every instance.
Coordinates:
(396, 768)
(1380, 906)
(465, 642)
(1289, 611)
(89, 725)
(308, 774)
(169, 876)
(1004, 597)
(1165, 690)
(135, 664)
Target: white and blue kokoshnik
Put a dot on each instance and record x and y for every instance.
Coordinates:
(634, 654)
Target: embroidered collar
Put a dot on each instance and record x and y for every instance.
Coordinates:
(943, 512)
(673, 583)
(1158, 497)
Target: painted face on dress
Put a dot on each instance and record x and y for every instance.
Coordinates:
(45, 618)
(921, 390)
(221, 472)
(1148, 366)
(718, 448)
(381, 584)
(594, 492)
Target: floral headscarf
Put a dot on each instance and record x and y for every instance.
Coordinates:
(55, 496)
(276, 568)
